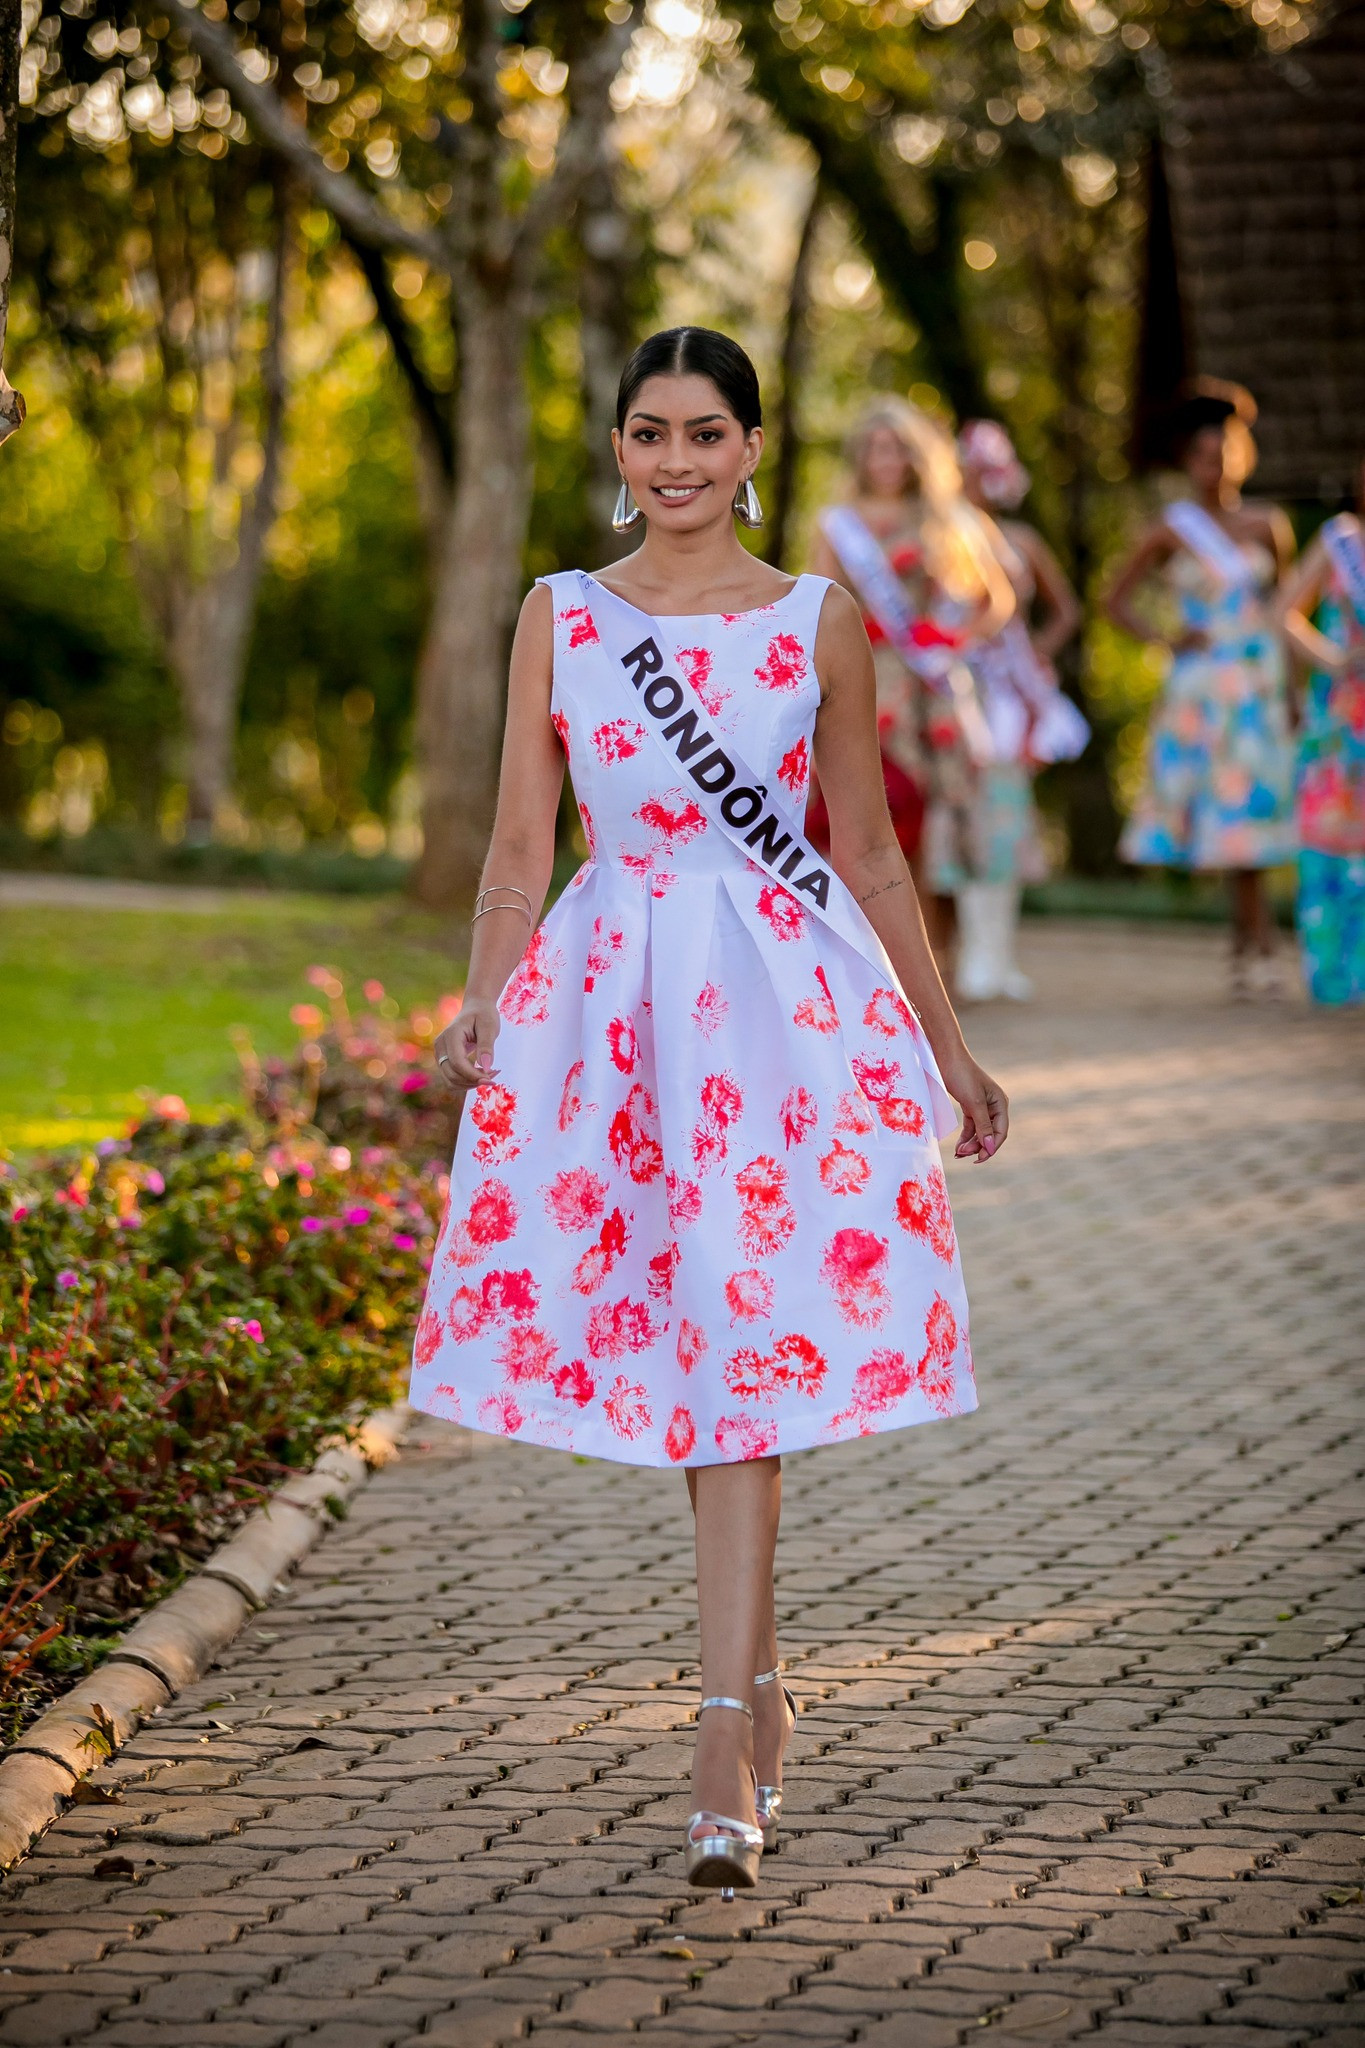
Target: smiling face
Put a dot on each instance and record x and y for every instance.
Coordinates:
(683, 452)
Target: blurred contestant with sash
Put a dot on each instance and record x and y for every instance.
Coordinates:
(1031, 721)
(1331, 785)
(1217, 794)
(919, 561)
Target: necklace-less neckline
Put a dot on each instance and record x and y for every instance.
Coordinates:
(752, 613)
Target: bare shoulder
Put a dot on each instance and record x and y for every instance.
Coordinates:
(1265, 520)
(534, 642)
(1025, 540)
(841, 622)
(841, 643)
(537, 607)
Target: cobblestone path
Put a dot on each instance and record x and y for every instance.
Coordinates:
(1077, 1674)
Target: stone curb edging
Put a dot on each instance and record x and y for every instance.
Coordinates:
(176, 1641)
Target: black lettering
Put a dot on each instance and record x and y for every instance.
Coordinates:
(764, 838)
(713, 774)
(792, 863)
(749, 800)
(646, 660)
(663, 696)
(685, 728)
(815, 884)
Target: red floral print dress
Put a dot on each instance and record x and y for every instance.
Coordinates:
(700, 1216)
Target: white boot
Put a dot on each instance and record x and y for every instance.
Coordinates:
(1014, 983)
(979, 968)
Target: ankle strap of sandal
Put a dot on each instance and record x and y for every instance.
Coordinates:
(723, 1700)
(767, 1677)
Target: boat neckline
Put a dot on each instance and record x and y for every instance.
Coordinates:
(752, 613)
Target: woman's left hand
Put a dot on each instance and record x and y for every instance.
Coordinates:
(984, 1105)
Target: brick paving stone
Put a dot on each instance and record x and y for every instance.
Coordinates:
(1080, 1754)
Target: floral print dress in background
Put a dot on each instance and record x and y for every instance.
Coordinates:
(1331, 807)
(1218, 791)
(700, 1216)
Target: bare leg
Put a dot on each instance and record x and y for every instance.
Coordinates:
(770, 1715)
(1251, 931)
(736, 1508)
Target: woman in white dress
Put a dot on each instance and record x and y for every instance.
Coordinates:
(697, 1213)
(1032, 722)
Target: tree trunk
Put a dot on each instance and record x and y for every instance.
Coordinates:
(11, 20)
(210, 621)
(431, 481)
(604, 326)
(795, 350)
(461, 672)
(1064, 260)
(204, 653)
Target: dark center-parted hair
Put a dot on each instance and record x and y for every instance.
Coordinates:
(1209, 402)
(694, 352)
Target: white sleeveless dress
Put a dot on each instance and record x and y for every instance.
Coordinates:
(700, 1216)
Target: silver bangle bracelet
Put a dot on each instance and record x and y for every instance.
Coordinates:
(502, 889)
(489, 908)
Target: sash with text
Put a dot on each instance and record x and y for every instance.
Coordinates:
(1345, 547)
(729, 791)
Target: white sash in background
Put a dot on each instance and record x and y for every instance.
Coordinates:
(1345, 547)
(883, 596)
(1046, 724)
(1206, 540)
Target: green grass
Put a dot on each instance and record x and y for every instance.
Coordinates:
(101, 1004)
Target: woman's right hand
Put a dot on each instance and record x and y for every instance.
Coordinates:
(464, 1050)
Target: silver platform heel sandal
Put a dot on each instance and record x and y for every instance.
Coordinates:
(725, 1862)
(768, 1798)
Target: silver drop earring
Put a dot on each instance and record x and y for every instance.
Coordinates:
(747, 509)
(627, 513)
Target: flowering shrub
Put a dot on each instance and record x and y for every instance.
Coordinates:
(183, 1315)
(362, 1077)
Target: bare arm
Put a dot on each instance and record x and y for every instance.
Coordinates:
(868, 860)
(1278, 535)
(521, 852)
(1060, 605)
(1152, 552)
(1301, 598)
(997, 607)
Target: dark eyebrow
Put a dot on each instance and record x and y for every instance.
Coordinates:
(655, 420)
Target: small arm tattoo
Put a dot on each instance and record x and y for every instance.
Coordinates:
(882, 888)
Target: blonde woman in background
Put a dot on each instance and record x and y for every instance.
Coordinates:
(1032, 723)
(919, 560)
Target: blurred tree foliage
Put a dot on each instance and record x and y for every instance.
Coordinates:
(449, 151)
(989, 156)
(979, 240)
(158, 281)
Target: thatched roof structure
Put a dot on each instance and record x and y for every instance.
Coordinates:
(1257, 272)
